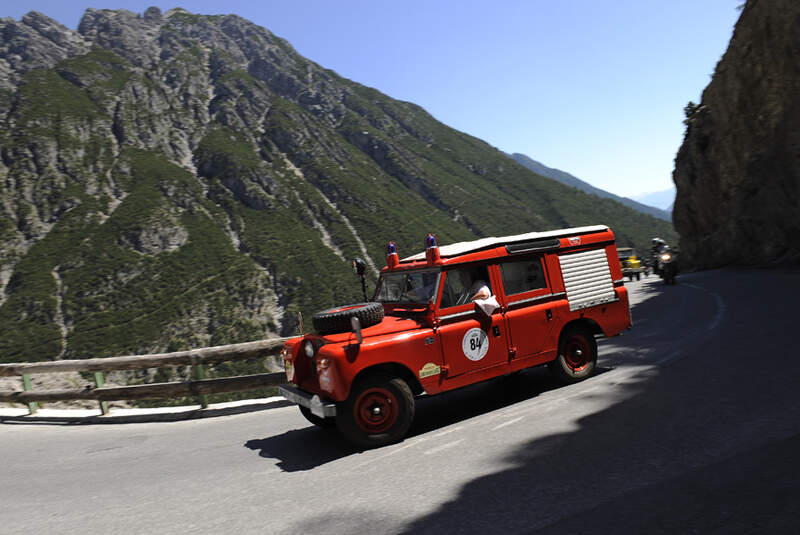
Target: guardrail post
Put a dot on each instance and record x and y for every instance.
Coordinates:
(99, 381)
(26, 386)
(198, 374)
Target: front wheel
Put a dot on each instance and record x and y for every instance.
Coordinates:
(577, 356)
(378, 411)
(325, 423)
(669, 276)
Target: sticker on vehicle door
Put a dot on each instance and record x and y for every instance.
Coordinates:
(475, 344)
(429, 370)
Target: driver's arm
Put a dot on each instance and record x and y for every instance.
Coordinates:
(482, 293)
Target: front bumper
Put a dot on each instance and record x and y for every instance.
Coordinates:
(323, 409)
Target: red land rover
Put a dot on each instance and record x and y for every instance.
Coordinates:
(453, 316)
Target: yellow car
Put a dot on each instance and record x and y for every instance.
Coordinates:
(630, 264)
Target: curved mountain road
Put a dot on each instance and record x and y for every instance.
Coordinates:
(692, 424)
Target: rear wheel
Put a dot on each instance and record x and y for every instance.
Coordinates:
(577, 356)
(378, 411)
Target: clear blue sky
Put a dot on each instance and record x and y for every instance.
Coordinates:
(593, 88)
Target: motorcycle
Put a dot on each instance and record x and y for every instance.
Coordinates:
(668, 265)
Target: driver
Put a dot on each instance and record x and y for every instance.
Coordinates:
(473, 289)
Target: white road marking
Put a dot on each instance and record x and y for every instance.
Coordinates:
(712, 326)
(385, 455)
(448, 431)
(504, 424)
(443, 447)
(720, 307)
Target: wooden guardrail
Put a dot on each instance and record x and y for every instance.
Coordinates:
(198, 386)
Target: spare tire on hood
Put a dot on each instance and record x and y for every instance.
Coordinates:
(337, 320)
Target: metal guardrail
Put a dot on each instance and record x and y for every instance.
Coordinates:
(198, 386)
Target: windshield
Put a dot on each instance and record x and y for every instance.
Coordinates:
(408, 286)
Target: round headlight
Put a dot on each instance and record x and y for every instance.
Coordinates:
(308, 348)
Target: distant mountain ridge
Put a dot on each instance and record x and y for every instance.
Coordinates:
(570, 180)
(172, 180)
(663, 199)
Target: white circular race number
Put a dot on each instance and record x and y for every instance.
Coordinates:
(475, 344)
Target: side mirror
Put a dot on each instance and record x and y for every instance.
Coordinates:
(359, 266)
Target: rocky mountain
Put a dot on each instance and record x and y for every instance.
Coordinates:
(170, 180)
(575, 182)
(738, 170)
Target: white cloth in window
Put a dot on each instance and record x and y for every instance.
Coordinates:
(488, 306)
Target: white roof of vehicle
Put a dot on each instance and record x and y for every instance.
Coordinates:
(455, 249)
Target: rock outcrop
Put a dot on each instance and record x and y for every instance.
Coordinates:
(35, 42)
(738, 170)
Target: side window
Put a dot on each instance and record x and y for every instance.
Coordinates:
(461, 285)
(522, 276)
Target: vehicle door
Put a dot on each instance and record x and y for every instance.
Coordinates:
(471, 339)
(529, 305)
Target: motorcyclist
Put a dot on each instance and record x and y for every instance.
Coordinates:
(668, 264)
(658, 246)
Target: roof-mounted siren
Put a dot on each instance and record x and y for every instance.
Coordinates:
(432, 250)
(392, 260)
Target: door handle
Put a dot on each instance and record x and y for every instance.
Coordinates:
(496, 330)
(549, 314)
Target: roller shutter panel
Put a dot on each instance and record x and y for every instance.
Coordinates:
(587, 279)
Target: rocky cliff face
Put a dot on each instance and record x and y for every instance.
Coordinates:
(738, 170)
(169, 180)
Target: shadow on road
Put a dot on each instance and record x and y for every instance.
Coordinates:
(302, 449)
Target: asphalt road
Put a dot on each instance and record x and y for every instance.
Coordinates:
(691, 426)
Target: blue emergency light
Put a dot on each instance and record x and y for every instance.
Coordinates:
(392, 260)
(432, 250)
